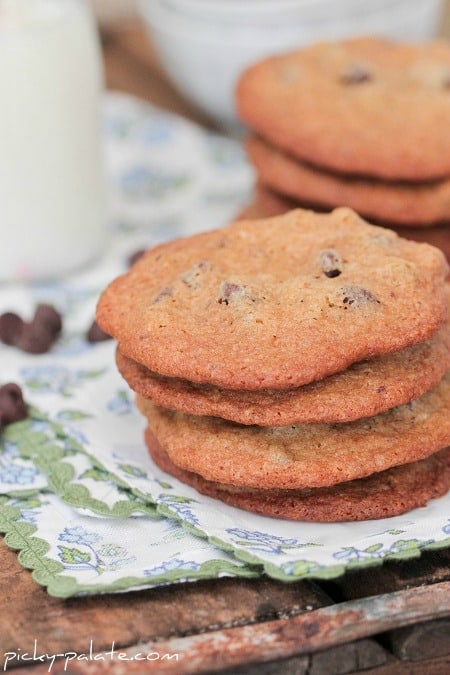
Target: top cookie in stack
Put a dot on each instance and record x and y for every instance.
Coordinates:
(276, 303)
(281, 362)
(361, 123)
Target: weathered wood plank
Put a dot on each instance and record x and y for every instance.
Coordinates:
(303, 634)
(348, 658)
(301, 666)
(423, 641)
(438, 666)
(138, 72)
(291, 666)
(133, 39)
(431, 567)
(27, 613)
(341, 660)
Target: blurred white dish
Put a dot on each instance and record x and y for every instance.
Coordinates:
(205, 44)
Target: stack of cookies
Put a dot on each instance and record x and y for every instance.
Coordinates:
(362, 123)
(297, 366)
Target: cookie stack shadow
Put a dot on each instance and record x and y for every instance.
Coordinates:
(362, 123)
(296, 367)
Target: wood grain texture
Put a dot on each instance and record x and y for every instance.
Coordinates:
(431, 567)
(422, 641)
(132, 66)
(309, 632)
(27, 613)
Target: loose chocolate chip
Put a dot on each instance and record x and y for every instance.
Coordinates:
(357, 296)
(331, 263)
(134, 257)
(10, 328)
(96, 334)
(356, 74)
(12, 405)
(46, 315)
(35, 338)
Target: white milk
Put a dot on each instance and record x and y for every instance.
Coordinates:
(52, 196)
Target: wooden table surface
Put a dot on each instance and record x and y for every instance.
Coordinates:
(387, 620)
(132, 66)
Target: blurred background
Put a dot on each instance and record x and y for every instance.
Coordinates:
(185, 56)
(111, 11)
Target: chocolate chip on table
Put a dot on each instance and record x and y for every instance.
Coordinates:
(134, 257)
(96, 334)
(46, 315)
(12, 406)
(10, 328)
(34, 337)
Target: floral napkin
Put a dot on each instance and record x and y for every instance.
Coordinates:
(79, 496)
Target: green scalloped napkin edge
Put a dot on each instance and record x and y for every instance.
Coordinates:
(306, 569)
(49, 457)
(48, 572)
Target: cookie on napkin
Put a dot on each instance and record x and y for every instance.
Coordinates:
(381, 495)
(275, 303)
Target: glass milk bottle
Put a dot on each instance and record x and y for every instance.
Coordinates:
(52, 192)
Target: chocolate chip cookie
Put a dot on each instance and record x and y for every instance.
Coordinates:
(421, 205)
(303, 456)
(364, 389)
(275, 303)
(365, 106)
(381, 495)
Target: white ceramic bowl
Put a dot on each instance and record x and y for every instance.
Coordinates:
(204, 45)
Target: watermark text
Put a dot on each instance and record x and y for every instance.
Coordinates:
(20, 656)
